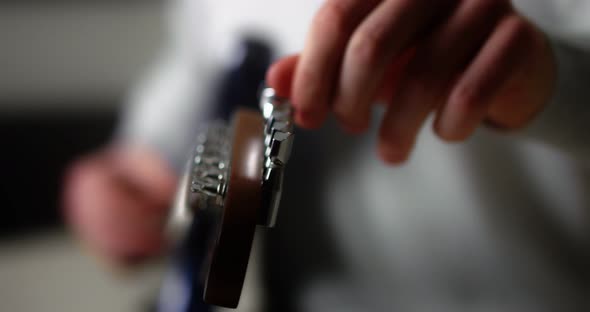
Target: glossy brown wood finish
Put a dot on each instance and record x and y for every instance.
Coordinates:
(231, 251)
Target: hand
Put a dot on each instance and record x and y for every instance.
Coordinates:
(117, 200)
(468, 61)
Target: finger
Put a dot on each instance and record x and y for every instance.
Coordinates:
(318, 69)
(112, 243)
(280, 75)
(389, 30)
(501, 57)
(393, 75)
(442, 57)
(109, 219)
(143, 169)
(117, 228)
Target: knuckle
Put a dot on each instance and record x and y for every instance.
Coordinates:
(365, 47)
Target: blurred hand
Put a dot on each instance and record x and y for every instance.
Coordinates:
(117, 201)
(468, 61)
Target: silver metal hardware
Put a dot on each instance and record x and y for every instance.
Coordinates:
(206, 178)
(278, 141)
(210, 167)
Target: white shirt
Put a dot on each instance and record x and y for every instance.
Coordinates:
(498, 223)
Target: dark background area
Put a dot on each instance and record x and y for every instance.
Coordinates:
(36, 149)
(66, 68)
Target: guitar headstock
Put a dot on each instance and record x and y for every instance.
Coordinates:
(234, 180)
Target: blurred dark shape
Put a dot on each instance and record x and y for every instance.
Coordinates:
(244, 76)
(37, 146)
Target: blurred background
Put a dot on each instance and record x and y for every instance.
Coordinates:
(65, 68)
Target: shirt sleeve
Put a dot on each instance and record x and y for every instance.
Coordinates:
(166, 108)
(565, 122)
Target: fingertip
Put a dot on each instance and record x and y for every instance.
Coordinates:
(394, 148)
(273, 75)
(309, 120)
(391, 155)
(352, 128)
(453, 137)
(451, 127)
(280, 75)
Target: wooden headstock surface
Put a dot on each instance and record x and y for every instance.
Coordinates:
(230, 251)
